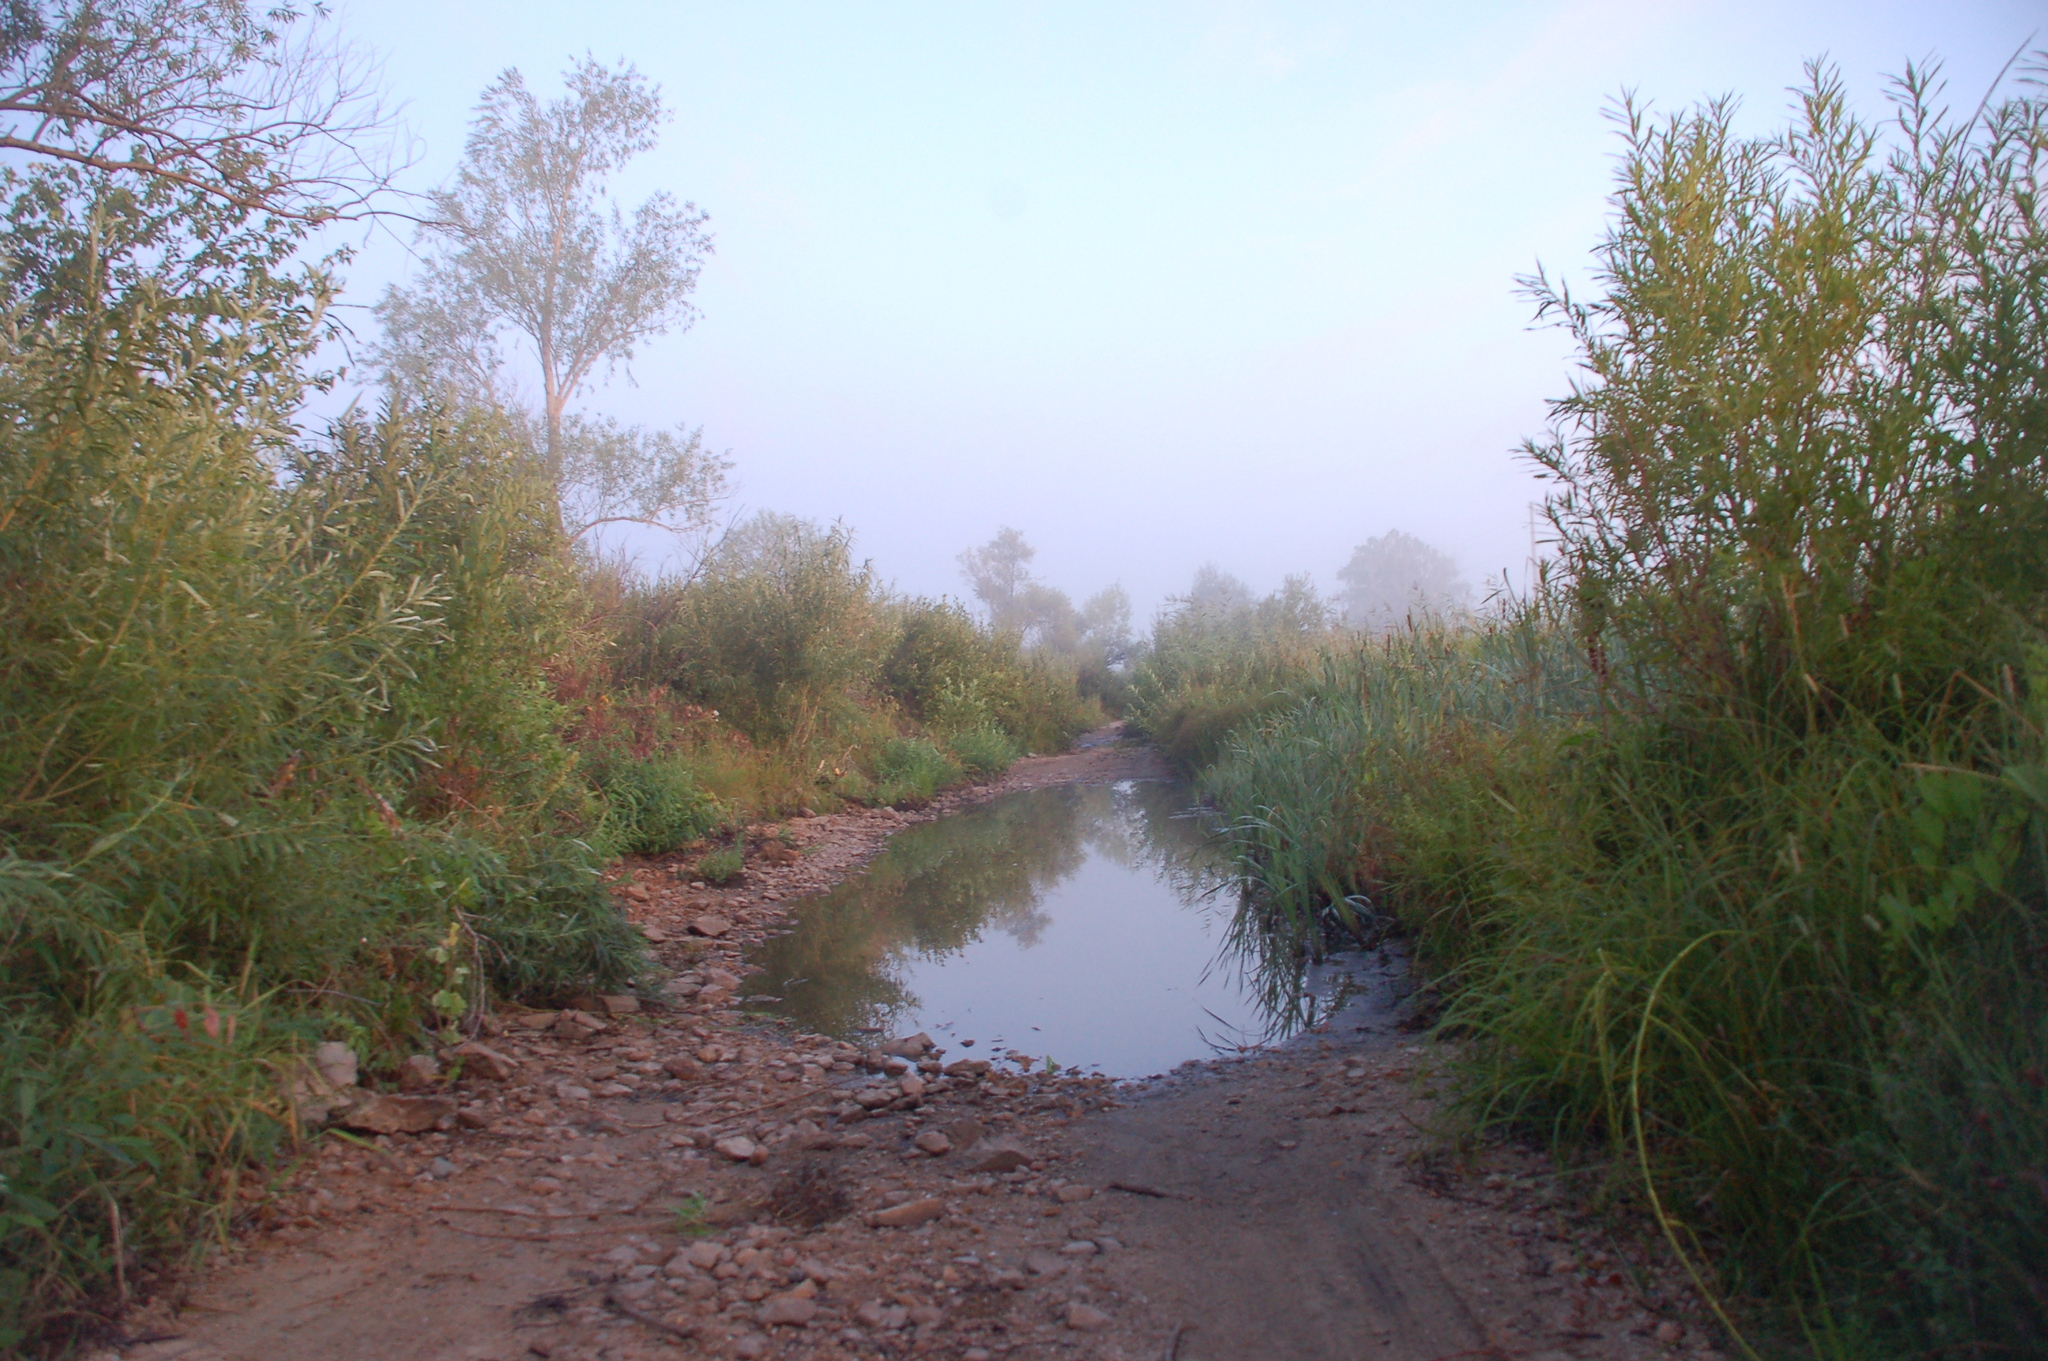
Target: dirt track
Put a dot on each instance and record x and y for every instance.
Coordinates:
(1282, 1206)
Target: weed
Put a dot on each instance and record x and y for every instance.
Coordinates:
(723, 866)
(690, 1221)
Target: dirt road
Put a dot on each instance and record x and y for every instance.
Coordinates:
(682, 1180)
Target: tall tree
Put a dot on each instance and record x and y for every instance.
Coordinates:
(999, 571)
(1394, 574)
(530, 240)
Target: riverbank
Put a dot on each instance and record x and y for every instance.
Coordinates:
(675, 1177)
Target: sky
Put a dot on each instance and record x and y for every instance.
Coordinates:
(1157, 285)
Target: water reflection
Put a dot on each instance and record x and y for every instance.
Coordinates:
(1085, 924)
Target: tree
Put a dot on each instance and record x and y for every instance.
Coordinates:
(248, 112)
(999, 571)
(1395, 574)
(529, 240)
(1106, 624)
(175, 155)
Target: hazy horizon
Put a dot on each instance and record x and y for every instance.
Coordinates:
(1157, 286)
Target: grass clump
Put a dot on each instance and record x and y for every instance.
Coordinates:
(909, 771)
(982, 751)
(723, 866)
(653, 805)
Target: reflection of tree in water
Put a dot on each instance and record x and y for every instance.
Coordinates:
(941, 886)
(933, 892)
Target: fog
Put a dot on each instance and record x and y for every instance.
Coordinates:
(1156, 285)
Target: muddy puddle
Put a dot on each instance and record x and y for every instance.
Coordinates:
(1083, 924)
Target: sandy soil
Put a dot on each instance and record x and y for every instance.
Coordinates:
(682, 1180)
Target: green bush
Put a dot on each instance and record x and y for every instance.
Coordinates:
(909, 771)
(653, 805)
(982, 751)
(723, 866)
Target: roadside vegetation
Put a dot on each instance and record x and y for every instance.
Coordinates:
(1726, 841)
(329, 734)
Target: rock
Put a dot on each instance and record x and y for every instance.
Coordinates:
(927, 1314)
(968, 1069)
(885, 1317)
(908, 1214)
(473, 1117)
(576, 1025)
(654, 935)
(911, 1086)
(619, 1004)
(965, 1134)
(910, 1046)
(639, 893)
(400, 1114)
(1000, 1157)
(873, 1098)
(480, 1060)
(441, 1169)
(1080, 1247)
(751, 1347)
(1073, 1194)
(336, 1063)
(710, 925)
(933, 1142)
(759, 1157)
(806, 813)
(737, 1147)
(1086, 1318)
(704, 1256)
(1039, 1262)
(681, 1066)
(614, 1089)
(1670, 1334)
(569, 1091)
(788, 1309)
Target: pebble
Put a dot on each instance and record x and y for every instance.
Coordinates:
(933, 1142)
(790, 1310)
(909, 1213)
(1080, 1247)
(1086, 1318)
(737, 1147)
(1072, 1194)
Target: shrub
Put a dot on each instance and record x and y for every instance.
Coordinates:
(723, 866)
(653, 805)
(909, 771)
(982, 751)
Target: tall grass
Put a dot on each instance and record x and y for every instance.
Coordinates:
(273, 727)
(1731, 850)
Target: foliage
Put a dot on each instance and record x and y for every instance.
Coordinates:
(653, 805)
(225, 107)
(982, 751)
(722, 866)
(1730, 847)
(528, 238)
(909, 770)
(1394, 576)
(274, 718)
